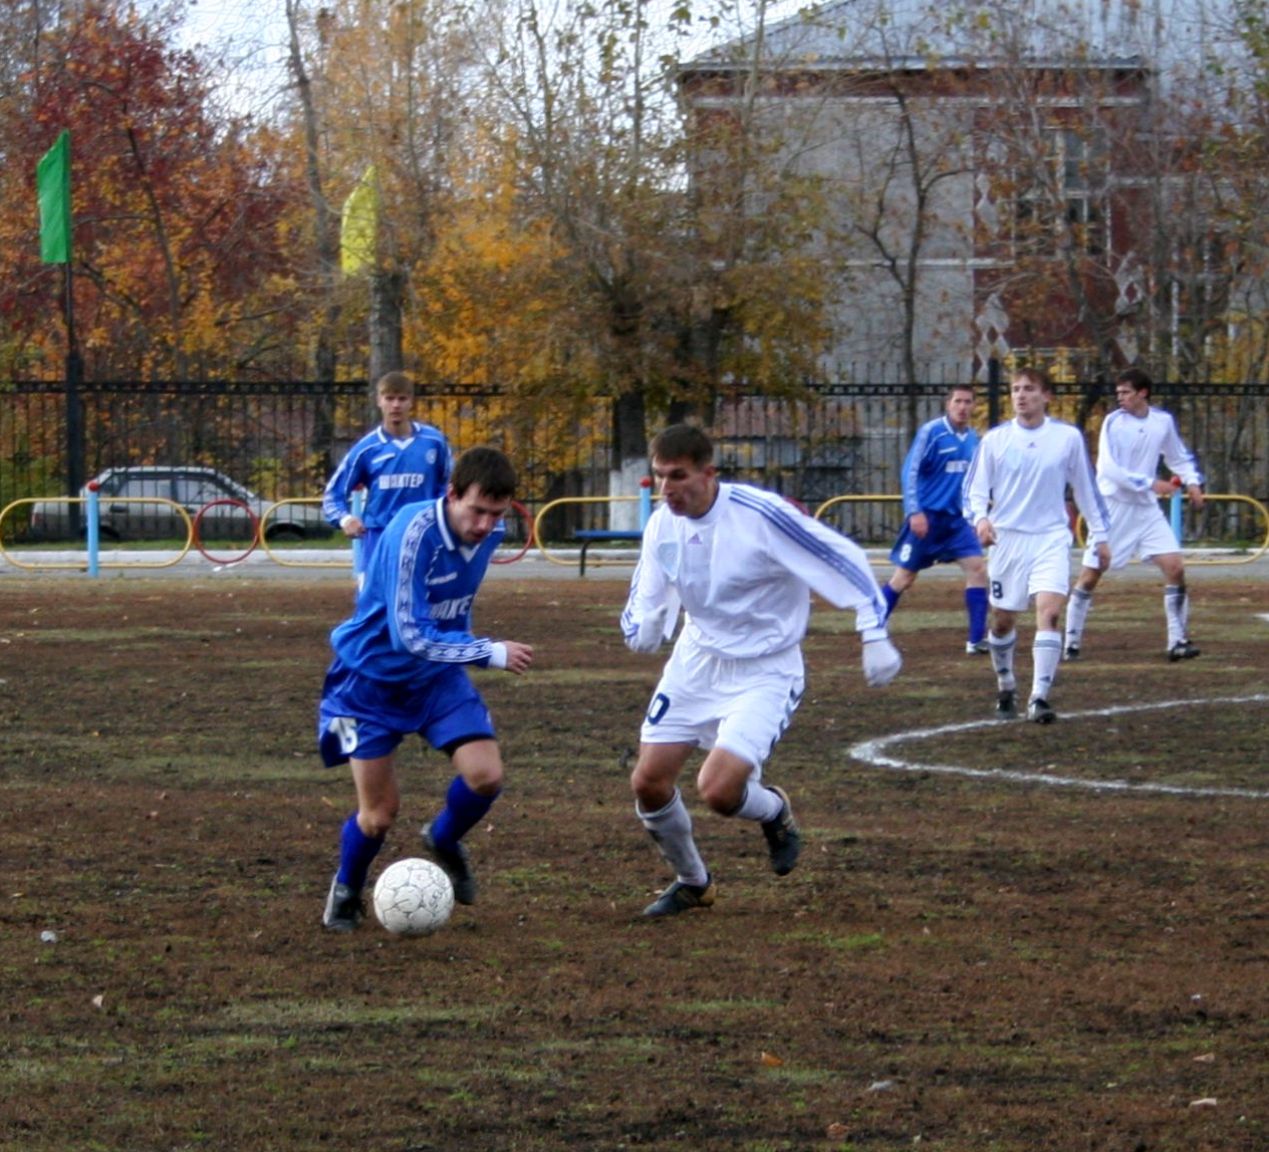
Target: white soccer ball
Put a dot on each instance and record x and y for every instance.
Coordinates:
(413, 898)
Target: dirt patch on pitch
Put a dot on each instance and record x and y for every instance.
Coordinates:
(957, 963)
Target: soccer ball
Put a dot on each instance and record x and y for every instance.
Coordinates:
(413, 898)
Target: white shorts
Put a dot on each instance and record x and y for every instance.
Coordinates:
(1020, 564)
(743, 706)
(1136, 531)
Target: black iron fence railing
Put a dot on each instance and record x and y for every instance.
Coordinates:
(282, 439)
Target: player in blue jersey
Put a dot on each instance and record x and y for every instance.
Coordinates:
(399, 463)
(400, 667)
(935, 530)
(742, 563)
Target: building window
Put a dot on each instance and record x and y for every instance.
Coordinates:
(1067, 197)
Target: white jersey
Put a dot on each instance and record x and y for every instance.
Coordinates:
(1128, 452)
(744, 573)
(1019, 475)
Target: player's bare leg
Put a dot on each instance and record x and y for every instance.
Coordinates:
(726, 784)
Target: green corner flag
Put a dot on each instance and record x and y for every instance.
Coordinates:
(53, 186)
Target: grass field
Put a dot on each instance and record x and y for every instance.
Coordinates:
(999, 937)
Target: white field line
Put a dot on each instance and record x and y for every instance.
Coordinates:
(873, 752)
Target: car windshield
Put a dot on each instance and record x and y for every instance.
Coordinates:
(192, 489)
(197, 489)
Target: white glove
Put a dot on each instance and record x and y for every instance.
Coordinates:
(651, 631)
(881, 661)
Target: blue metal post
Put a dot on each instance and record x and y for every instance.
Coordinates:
(357, 505)
(645, 501)
(93, 529)
(1176, 514)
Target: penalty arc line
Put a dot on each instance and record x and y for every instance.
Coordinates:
(872, 752)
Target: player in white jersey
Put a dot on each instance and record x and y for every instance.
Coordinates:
(1133, 439)
(1015, 496)
(742, 563)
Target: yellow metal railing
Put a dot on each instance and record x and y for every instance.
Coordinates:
(1228, 557)
(85, 562)
(547, 554)
(279, 557)
(866, 499)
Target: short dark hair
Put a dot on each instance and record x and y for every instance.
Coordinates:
(952, 389)
(1136, 379)
(486, 468)
(395, 384)
(1036, 376)
(682, 442)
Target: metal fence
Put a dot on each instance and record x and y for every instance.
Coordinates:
(283, 439)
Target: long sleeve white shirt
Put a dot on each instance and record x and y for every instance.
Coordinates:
(1019, 475)
(1128, 452)
(744, 572)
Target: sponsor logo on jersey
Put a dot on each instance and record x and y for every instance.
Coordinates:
(452, 609)
(403, 480)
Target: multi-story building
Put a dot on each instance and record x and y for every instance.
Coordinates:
(982, 185)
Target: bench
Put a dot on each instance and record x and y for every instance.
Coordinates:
(588, 536)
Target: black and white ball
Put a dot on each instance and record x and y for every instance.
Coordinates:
(413, 898)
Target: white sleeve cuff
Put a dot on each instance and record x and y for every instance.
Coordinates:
(498, 655)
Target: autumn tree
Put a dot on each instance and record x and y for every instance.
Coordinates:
(378, 88)
(859, 135)
(667, 295)
(174, 212)
(759, 207)
(1120, 175)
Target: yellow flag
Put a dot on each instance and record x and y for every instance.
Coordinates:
(358, 226)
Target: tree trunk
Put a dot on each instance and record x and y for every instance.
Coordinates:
(629, 458)
(387, 290)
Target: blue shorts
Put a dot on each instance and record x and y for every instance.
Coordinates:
(950, 538)
(368, 718)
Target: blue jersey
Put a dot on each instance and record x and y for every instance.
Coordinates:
(934, 469)
(394, 473)
(413, 616)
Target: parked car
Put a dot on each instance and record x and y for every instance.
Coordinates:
(193, 488)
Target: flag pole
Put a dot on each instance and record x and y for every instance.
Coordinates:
(74, 406)
(53, 193)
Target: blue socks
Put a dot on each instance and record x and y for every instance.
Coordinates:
(356, 853)
(976, 606)
(463, 811)
(891, 598)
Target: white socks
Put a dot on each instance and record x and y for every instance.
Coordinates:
(1176, 607)
(1046, 655)
(1002, 650)
(1077, 616)
(671, 828)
